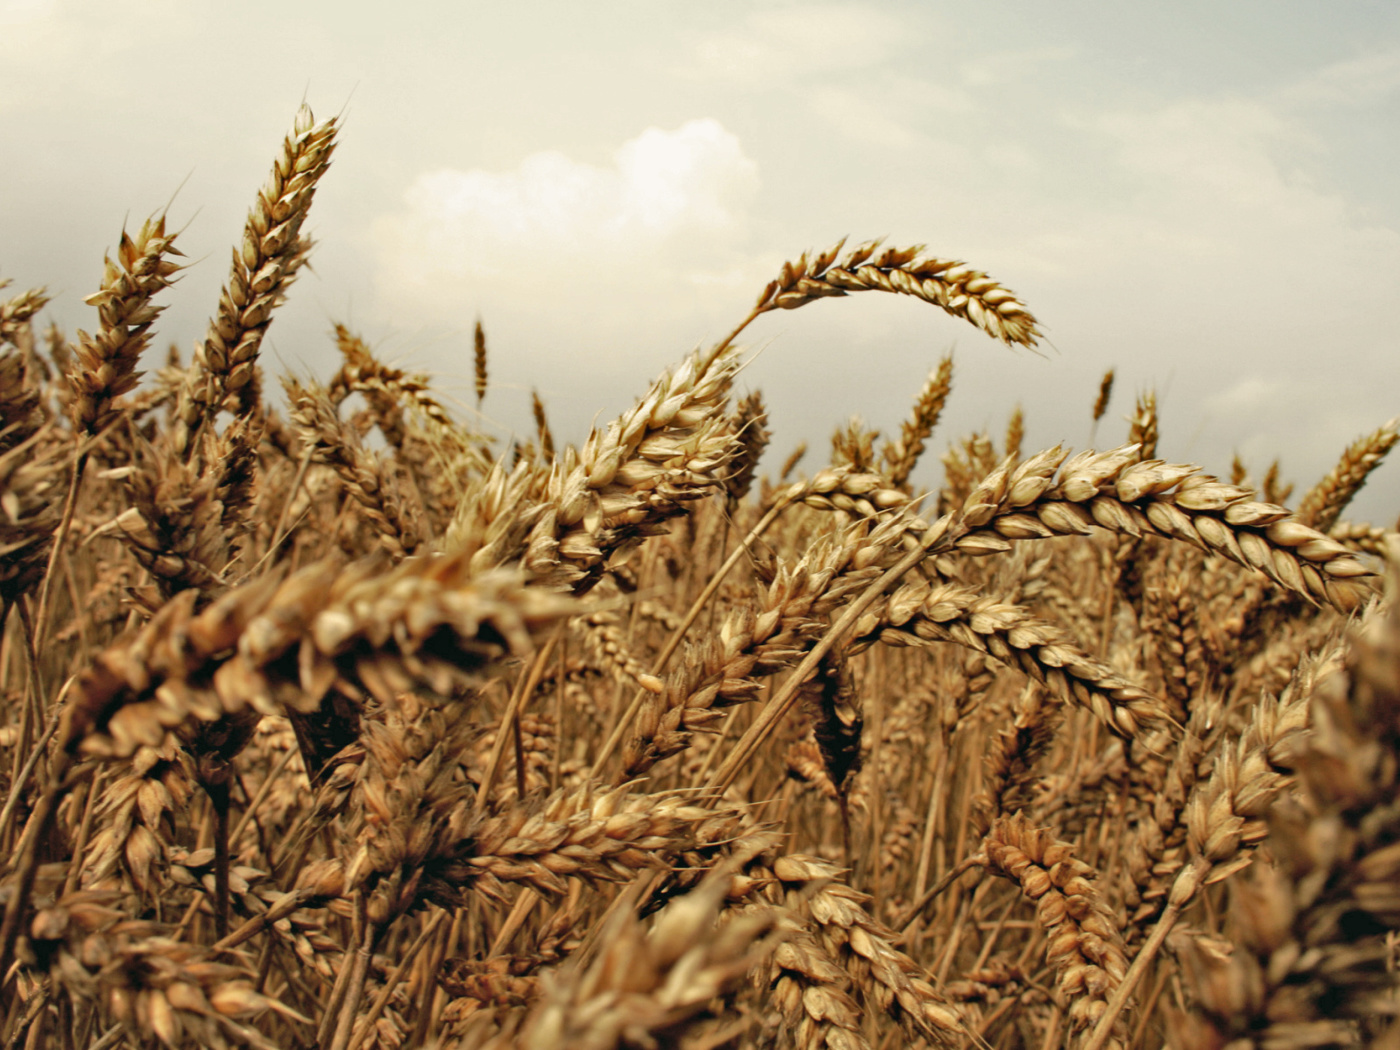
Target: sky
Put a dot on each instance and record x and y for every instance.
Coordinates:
(1199, 195)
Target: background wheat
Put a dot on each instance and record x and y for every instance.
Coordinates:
(338, 723)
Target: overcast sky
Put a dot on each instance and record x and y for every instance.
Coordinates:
(1202, 195)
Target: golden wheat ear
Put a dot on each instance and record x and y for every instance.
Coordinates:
(104, 365)
(956, 288)
(271, 255)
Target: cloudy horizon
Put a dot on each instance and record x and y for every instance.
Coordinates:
(1199, 196)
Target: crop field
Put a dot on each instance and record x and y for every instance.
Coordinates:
(328, 719)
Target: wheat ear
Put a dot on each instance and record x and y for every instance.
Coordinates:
(1326, 500)
(902, 454)
(272, 253)
(1116, 491)
(104, 365)
(1083, 942)
(955, 287)
(16, 312)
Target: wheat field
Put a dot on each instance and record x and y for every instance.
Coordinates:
(329, 720)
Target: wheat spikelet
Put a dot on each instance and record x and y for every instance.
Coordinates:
(608, 642)
(154, 987)
(673, 447)
(20, 400)
(387, 390)
(1361, 537)
(1313, 965)
(1113, 490)
(1011, 762)
(1274, 490)
(182, 666)
(853, 446)
(1142, 425)
(833, 706)
(175, 525)
(32, 479)
(1172, 616)
(813, 994)
(1015, 434)
(1163, 828)
(667, 983)
(364, 374)
(397, 522)
(542, 431)
(885, 977)
(962, 467)
(752, 642)
(794, 457)
(918, 614)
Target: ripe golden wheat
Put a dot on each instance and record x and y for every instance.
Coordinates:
(310, 738)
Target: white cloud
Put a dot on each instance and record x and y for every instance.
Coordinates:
(838, 61)
(693, 182)
(663, 226)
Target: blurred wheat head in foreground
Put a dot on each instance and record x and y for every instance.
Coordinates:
(315, 737)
